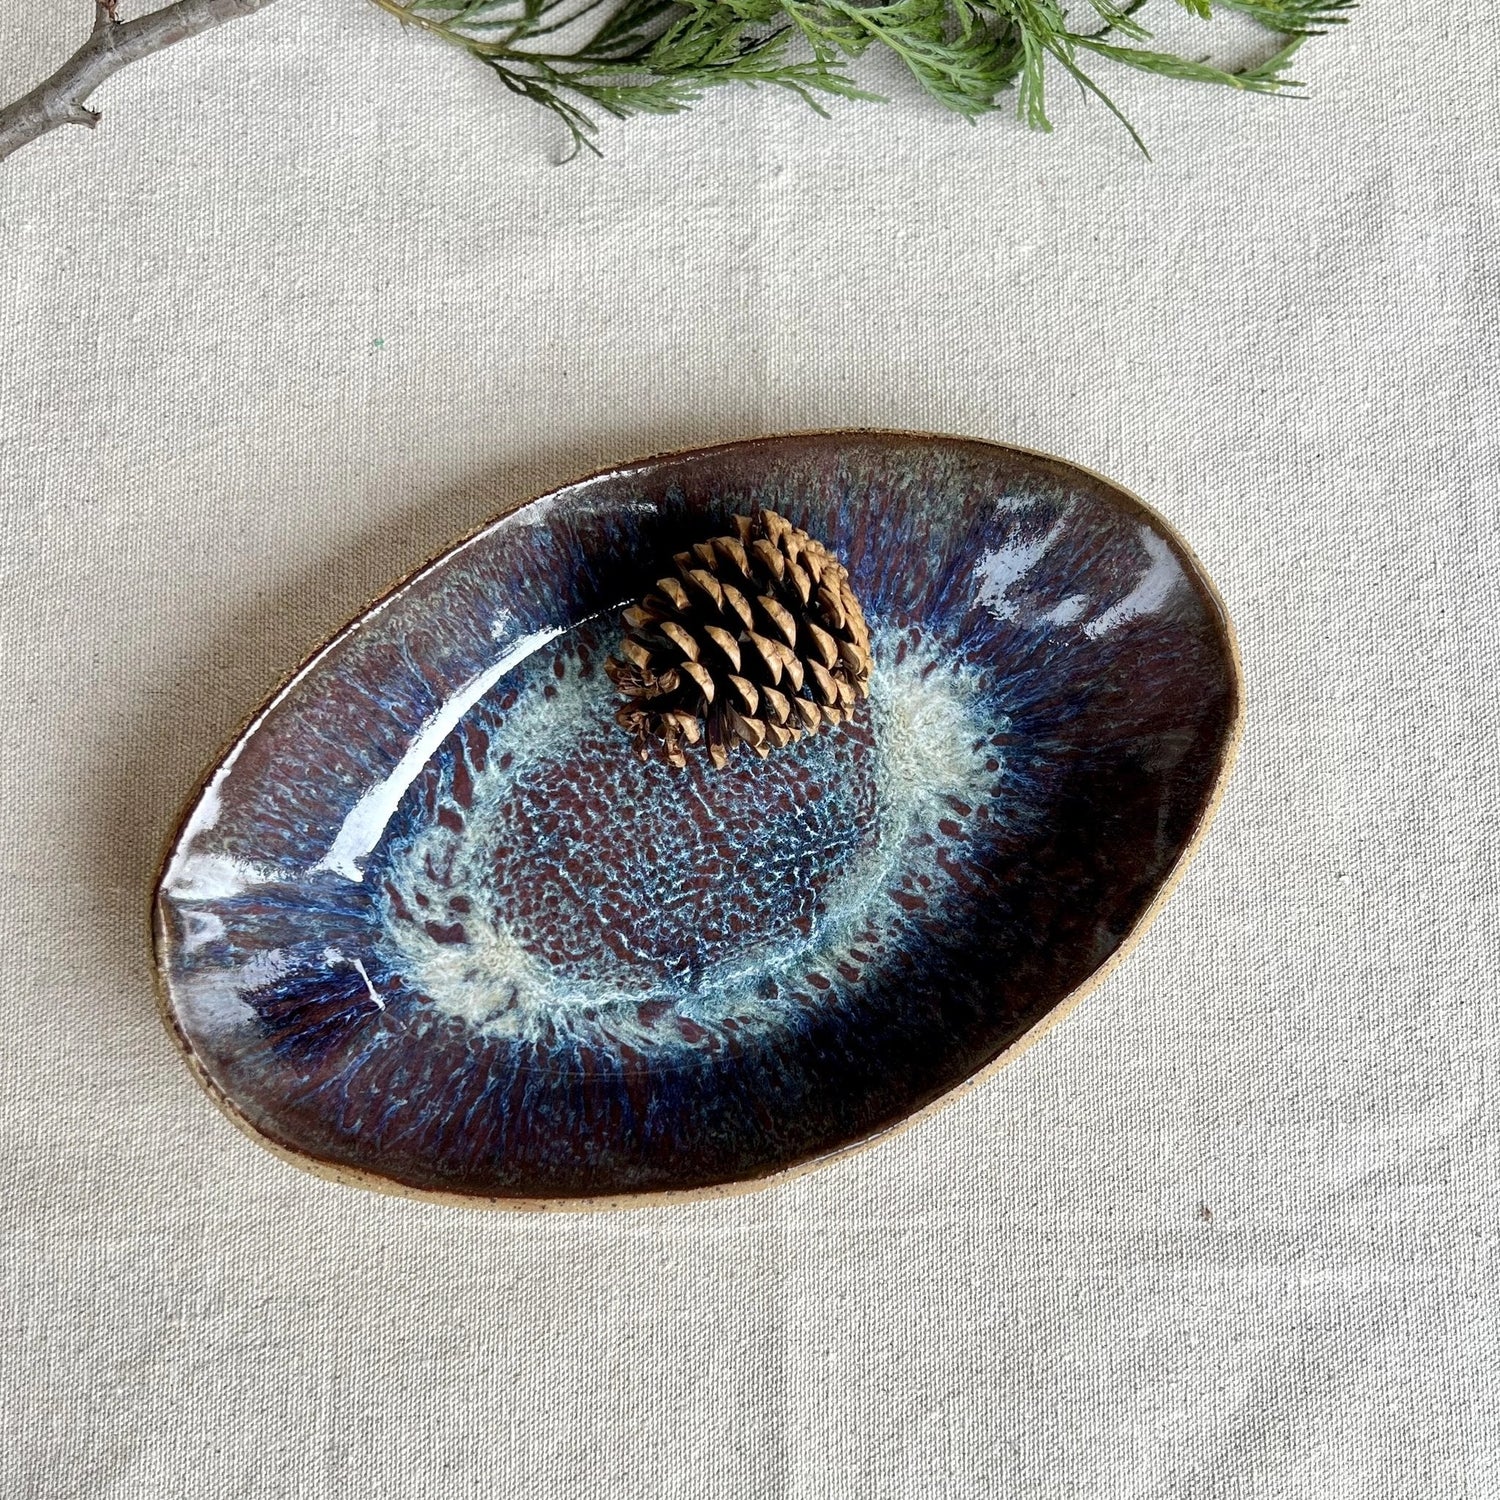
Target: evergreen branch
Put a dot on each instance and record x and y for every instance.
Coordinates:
(113, 44)
(584, 58)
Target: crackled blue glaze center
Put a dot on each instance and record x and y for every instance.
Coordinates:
(537, 880)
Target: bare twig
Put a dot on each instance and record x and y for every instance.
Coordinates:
(62, 98)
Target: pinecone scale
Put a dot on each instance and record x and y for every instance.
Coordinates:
(757, 639)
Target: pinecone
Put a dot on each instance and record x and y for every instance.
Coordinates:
(758, 638)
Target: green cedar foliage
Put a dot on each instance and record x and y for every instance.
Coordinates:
(581, 58)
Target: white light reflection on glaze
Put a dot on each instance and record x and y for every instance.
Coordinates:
(997, 572)
(1157, 584)
(366, 820)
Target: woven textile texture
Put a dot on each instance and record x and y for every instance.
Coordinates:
(315, 301)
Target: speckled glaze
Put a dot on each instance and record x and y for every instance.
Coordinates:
(430, 926)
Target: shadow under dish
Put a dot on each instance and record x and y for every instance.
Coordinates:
(430, 925)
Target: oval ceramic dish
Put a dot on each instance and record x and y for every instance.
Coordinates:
(431, 927)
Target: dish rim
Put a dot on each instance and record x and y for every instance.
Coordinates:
(737, 1187)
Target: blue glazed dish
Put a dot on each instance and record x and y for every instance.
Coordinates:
(430, 926)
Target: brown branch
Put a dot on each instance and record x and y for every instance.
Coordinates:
(112, 45)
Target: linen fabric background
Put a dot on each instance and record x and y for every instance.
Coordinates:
(315, 301)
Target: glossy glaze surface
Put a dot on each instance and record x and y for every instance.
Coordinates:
(430, 923)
